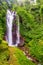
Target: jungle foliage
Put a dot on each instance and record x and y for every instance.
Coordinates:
(31, 26)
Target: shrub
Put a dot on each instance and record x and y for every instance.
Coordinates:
(3, 45)
(36, 49)
(4, 53)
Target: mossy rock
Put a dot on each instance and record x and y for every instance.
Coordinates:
(3, 45)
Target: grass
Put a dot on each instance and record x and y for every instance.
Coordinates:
(4, 53)
(12, 56)
(18, 57)
(13, 60)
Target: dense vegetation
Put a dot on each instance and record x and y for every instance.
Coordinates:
(20, 58)
(4, 53)
(31, 29)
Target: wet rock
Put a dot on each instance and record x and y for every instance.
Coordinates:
(21, 41)
(14, 35)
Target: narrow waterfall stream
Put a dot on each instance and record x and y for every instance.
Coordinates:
(18, 32)
(10, 18)
(9, 26)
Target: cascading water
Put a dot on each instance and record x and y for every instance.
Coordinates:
(18, 32)
(10, 17)
(33, 1)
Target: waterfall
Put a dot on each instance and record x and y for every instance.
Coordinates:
(35, 1)
(18, 31)
(10, 16)
(32, 1)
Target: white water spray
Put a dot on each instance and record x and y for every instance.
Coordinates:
(10, 16)
(33, 1)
